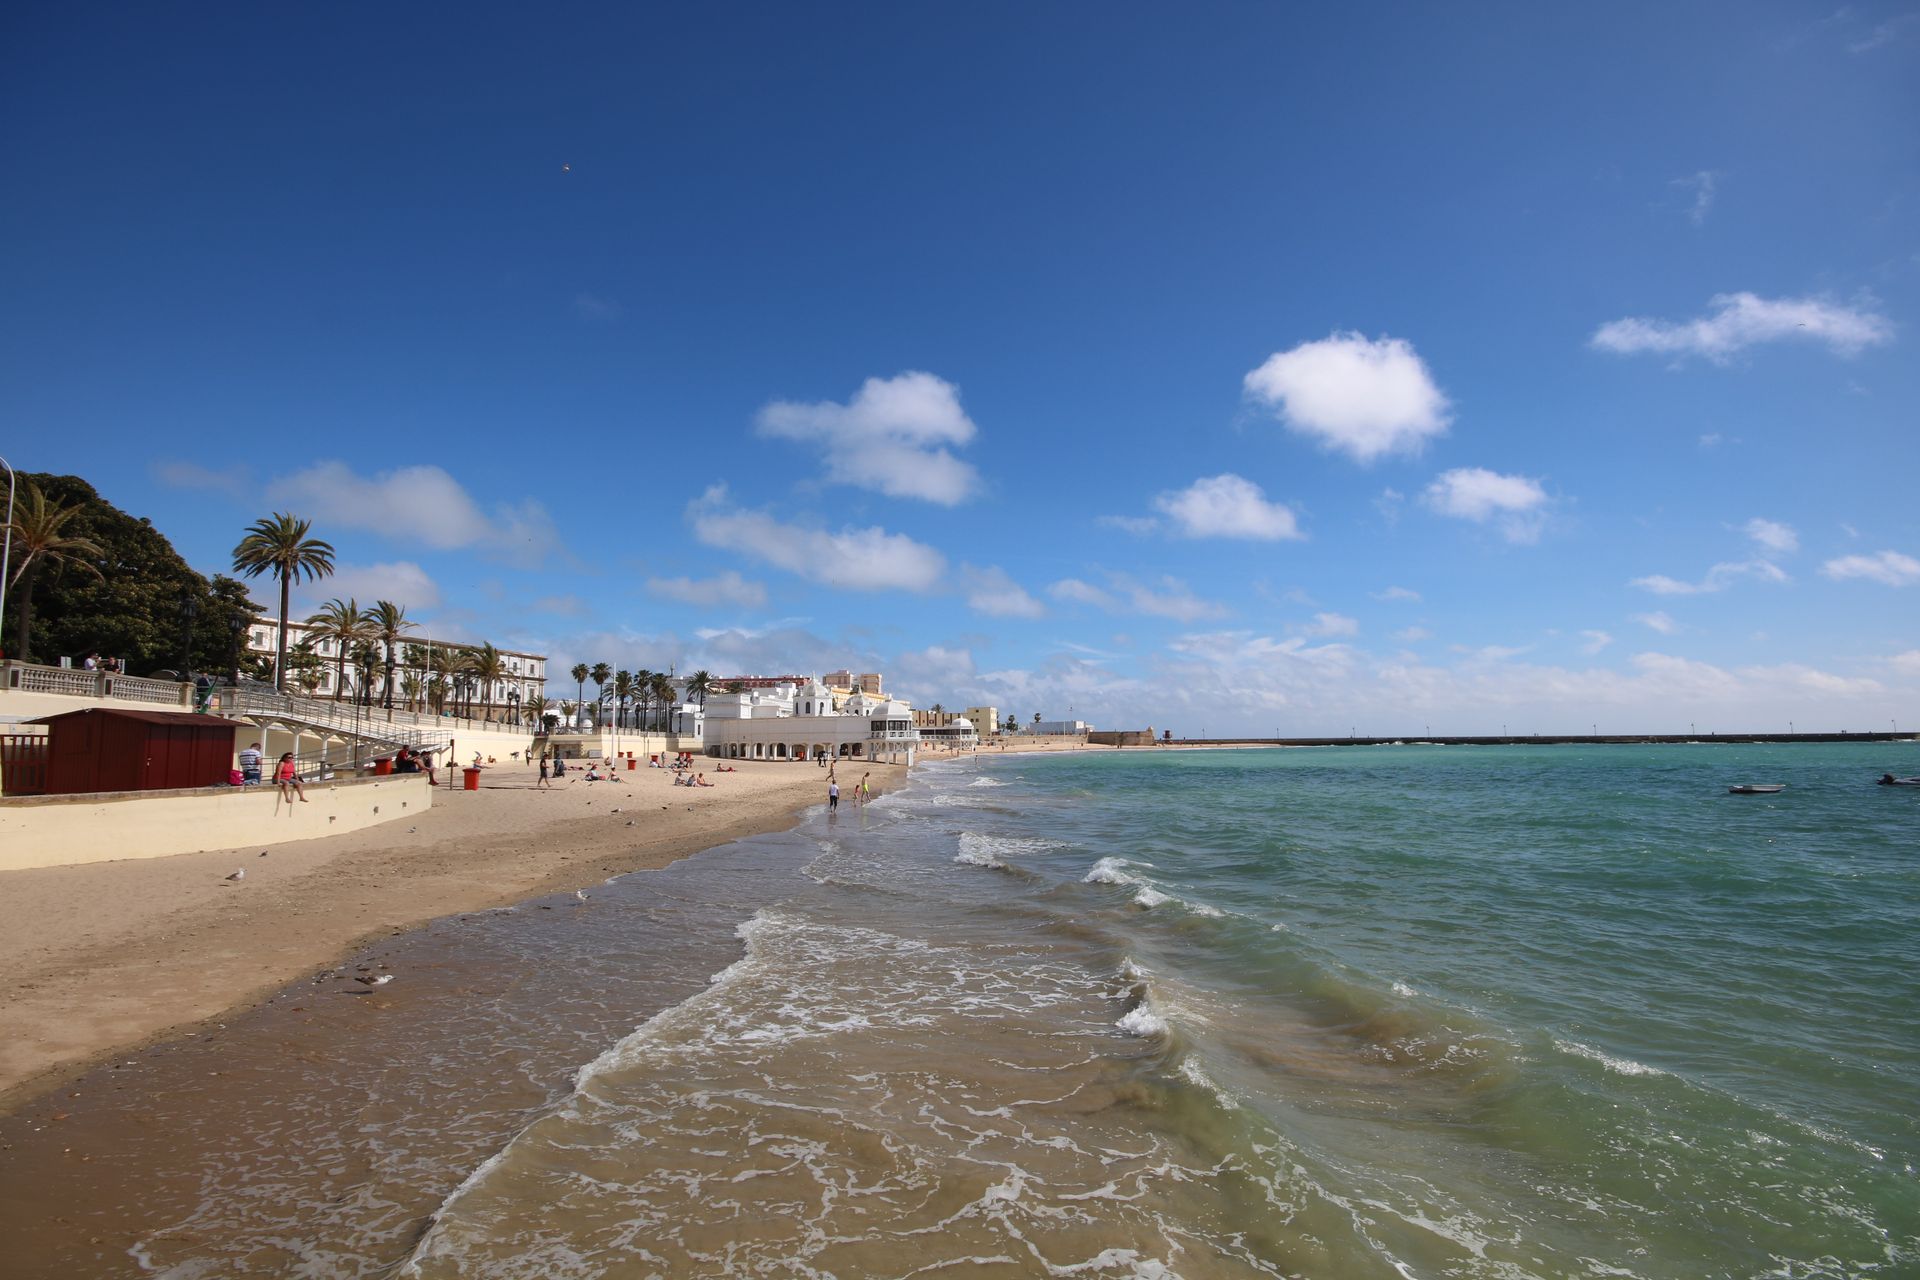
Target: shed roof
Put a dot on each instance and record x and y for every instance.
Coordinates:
(150, 717)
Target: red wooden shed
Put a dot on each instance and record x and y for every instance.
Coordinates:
(109, 749)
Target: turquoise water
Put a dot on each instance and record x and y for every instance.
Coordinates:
(1356, 1012)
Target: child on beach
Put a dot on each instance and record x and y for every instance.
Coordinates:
(288, 777)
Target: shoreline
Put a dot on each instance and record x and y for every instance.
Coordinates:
(115, 957)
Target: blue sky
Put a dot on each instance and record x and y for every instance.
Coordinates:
(1226, 368)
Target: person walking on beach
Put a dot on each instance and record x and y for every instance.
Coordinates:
(866, 791)
(288, 779)
(543, 774)
(833, 795)
(250, 761)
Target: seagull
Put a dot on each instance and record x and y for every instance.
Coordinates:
(239, 875)
(380, 981)
(565, 168)
(263, 853)
(580, 894)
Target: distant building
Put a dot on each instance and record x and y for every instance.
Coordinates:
(986, 720)
(804, 720)
(525, 673)
(1057, 727)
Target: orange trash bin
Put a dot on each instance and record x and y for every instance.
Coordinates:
(472, 777)
(383, 766)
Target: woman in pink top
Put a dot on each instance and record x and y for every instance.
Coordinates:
(285, 774)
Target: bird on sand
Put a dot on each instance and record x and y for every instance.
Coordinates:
(381, 981)
(239, 875)
(580, 894)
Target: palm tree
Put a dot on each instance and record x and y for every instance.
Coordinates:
(304, 665)
(370, 663)
(579, 673)
(622, 690)
(413, 660)
(389, 621)
(1036, 717)
(344, 623)
(535, 709)
(601, 673)
(697, 686)
(643, 696)
(663, 690)
(442, 669)
(281, 546)
(36, 532)
(487, 668)
(410, 689)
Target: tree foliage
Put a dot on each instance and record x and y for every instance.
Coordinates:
(137, 609)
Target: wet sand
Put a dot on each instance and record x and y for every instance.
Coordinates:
(106, 957)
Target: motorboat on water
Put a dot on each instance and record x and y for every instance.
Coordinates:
(1757, 788)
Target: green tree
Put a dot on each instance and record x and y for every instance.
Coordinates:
(622, 692)
(389, 622)
(281, 547)
(487, 668)
(662, 693)
(579, 673)
(345, 624)
(601, 674)
(697, 686)
(41, 539)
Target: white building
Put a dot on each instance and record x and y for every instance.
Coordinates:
(523, 676)
(802, 722)
(1064, 727)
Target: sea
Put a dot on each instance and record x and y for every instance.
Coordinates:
(1397, 1011)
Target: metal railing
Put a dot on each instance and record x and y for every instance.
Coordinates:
(348, 720)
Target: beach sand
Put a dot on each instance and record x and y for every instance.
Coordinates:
(108, 956)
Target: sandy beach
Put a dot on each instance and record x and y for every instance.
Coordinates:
(108, 956)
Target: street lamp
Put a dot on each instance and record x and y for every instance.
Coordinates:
(6, 552)
(513, 706)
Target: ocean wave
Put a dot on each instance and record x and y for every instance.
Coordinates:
(1194, 1074)
(1620, 1066)
(1113, 871)
(1148, 898)
(1142, 1023)
(975, 845)
(986, 782)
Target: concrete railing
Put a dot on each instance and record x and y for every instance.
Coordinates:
(28, 677)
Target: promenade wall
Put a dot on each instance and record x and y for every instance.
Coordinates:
(53, 831)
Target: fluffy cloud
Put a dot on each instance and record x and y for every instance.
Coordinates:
(1358, 396)
(1169, 598)
(1658, 620)
(852, 559)
(992, 592)
(706, 593)
(1227, 506)
(1595, 641)
(1329, 625)
(1398, 593)
(1736, 321)
(1773, 535)
(401, 581)
(421, 504)
(1890, 567)
(892, 437)
(1718, 578)
(232, 481)
(1480, 495)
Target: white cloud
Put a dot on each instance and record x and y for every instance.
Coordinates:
(1397, 593)
(1480, 495)
(401, 581)
(421, 504)
(589, 307)
(565, 606)
(1659, 621)
(726, 588)
(992, 592)
(1227, 506)
(1718, 578)
(1411, 635)
(1138, 525)
(1711, 440)
(892, 437)
(1907, 664)
(1595, 641)
(1329, 625)
(1358, 396)
(1737, 321)
(1885, 34)
(232, 481)
(1773, 535)
(852, 559)
(1702, 186)
(1169, 598)
(1889, 567)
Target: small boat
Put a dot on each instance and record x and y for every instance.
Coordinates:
(1888, 780)
(1757, 789)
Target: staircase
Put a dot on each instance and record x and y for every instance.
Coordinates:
(345, 720)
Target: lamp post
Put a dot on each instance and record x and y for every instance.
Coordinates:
(189, 614)
(6, 552)
(513, 706)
